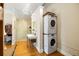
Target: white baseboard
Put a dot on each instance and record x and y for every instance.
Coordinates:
(39, 50)
(63, 52)
(42, 50)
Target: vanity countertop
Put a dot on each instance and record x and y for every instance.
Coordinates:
(31, 36)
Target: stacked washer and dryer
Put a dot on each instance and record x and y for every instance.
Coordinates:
(49, 33)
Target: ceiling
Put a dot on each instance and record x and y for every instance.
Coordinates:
(21, 9)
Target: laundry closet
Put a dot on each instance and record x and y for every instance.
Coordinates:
(44, 26)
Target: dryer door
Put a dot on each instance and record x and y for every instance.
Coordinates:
(52, 23)
(52, 42)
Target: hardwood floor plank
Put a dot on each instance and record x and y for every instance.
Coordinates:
(24, 49)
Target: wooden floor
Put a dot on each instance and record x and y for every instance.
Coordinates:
(24, 49)
(8, 50)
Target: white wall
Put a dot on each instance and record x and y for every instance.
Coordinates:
(67, 28)
(13, 30)
(1, 13)
(10, 18)
(37, 24)
(22, 28)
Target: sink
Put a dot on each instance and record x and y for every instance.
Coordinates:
(31, 36)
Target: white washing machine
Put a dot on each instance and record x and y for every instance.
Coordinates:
(50, 43)
(49, 33)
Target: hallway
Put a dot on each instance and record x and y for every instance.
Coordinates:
(23, 49)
